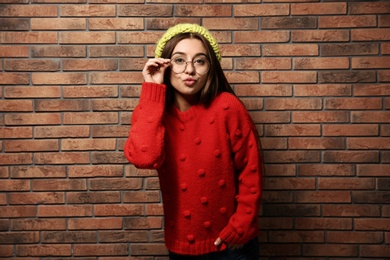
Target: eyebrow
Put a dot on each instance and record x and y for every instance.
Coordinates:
(183, 53)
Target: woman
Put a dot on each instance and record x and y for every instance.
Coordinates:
(191, 127)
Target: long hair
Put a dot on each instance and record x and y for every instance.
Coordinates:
(216, 81)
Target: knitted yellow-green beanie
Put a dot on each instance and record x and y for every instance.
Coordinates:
(186, 28)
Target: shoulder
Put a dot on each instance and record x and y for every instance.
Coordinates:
(228, 102)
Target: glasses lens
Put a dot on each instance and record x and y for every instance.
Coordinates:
(200, 64)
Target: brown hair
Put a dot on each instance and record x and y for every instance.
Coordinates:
(217, 81)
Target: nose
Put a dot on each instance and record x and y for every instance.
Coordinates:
(190, 68)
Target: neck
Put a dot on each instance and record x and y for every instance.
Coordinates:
(183, 103)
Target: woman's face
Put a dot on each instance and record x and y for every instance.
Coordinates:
(189, 82)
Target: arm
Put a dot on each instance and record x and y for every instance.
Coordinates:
(145, 144)
(243, 225)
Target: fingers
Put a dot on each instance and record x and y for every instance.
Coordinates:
(154, 69)
(218, 242)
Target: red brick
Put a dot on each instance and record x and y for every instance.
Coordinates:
(322, 197)
(369, 117)
(370, 34)
(69, 237)
(323, 90)
(87, 37)
(95, 171)
(90, 64)
(331, 250)
(290, 49)
(347, 49)
(142, 223)
(368, 8)
(110, 131)
(87, 10)
(115, 77)
(370, 62)
(320, 63)
(231, 23)
(118, 51)
(27, 172)
(296, 22)
(374, 250)
(62, 158)
(124, 236)
(320, 36)
(90, 118)
(292, 130)
(29, 37)
(289, 77)
(29, 10)
(148, 249)
(15, 158)
(347, 21)
(15, 185)
(385, 48)
(261, 10)
(37, 198)
(371, 224)
(14, 24)
(138, 37)
(316, 143)
(293, 104)
(373, 170)
(95, 224)
(372, 90)
(130, 10)
(351, 157)
(264, 90)
(33, 119)
(92, 197)
(88, 144)
(61, 131)
(31, 65)
(44, 250)
(119, 210)
(59, 78)
(9, 78)
(115, 184)
(263, 63)
(18, 211)
(351, 210)
(14, 51)
(384, 76)
(100, 250)
(115, 24)
(31, 145)
(320, 117)
(58, 24)
(243, 77)
(296, 236)
(204, 10)
(289, 184)
(38, 224)
(16, 105)
(368, 143)
(346, 184)
(32, 92)
(154, 209)
(318, 8)
(277, 197)
(141, 197)
(89, 91)
(353, 103)
(114, 105)
(58, 51)
(356, 76)
(326, 170)
(324, 223)
(165, 23)
(384, 20)
(262, 36)
(64, 211)
(350, 130)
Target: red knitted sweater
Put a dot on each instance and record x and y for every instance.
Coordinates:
(209, 168)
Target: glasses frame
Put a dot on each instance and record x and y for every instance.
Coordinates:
(191, 61)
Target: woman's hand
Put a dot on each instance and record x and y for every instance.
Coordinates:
(154, 70)
(219, 241)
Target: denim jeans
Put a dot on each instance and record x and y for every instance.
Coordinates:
(250, 251)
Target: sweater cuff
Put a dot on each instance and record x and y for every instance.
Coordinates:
(230, 236)
(153, 92)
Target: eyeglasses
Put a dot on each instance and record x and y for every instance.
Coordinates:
(179, 64)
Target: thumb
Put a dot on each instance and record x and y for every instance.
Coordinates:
(218, 242)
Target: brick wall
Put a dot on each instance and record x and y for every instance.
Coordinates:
(314, 74)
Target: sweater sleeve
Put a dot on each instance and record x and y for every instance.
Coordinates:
(145, 144)
(243, 224)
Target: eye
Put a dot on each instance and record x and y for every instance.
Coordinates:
(200, 61)
(179, 60)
